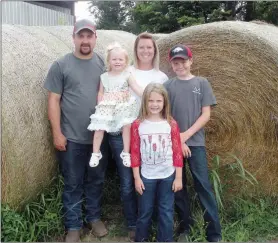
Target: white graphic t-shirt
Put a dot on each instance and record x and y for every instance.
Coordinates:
(156, 149)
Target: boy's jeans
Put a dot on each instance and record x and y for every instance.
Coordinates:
(160, 190)
(81, 182)
(128, 195)
(199, 169)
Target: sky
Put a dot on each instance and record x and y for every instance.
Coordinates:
(81, 10)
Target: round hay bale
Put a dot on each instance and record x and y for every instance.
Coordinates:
(28, 157)
(158, 36)
(240, 60)
(256, 21)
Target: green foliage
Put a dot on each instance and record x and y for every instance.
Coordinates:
(238, 170)
(244, 219)
(113, 15)
(14, 227)
(156, 17)
(250, 220)
(266, 11)
(38, 221)
(169, 16)
(216, 182)
(41, 220)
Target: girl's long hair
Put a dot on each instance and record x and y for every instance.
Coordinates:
(146, 35)
(157, 88)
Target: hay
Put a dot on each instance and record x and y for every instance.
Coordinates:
(261, 22)
(158, 36)
(28, 158)
(240, 60)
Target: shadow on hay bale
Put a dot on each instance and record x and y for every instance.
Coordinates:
(240, 60)
(28, 158)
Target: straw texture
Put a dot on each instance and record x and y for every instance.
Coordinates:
(28, 157)
(241, 61)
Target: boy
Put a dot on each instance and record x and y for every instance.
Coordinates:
(191, 98)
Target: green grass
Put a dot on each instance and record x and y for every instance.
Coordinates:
(251, 220)
(242, 220)
(38, 221)
(243, 217)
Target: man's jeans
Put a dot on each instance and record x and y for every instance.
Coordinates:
(199, 170)
(82, 182)
(159, 191)
(128, 195)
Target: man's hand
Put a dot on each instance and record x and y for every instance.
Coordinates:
(59, 141)
(177, 185)
(185, 150)
(139, 185)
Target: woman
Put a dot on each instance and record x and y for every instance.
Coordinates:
(146, 61)
(145, 71)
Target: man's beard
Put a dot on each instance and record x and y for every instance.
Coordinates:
(87, 52)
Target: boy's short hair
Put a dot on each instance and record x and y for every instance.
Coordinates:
(180, 51)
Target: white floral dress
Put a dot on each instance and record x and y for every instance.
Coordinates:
(117, 108)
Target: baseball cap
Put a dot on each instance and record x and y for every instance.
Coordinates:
(84, 24)
(180, 51)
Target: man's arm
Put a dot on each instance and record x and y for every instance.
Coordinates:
(54, 116)
(200, 123)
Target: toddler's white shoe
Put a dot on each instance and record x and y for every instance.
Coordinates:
(126, 159)
(95, 158)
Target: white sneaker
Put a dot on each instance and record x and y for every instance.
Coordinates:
(126, 159)
(95, 158)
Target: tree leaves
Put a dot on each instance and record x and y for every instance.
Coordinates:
(169, 16)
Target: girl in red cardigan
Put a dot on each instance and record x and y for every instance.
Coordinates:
(156, 160)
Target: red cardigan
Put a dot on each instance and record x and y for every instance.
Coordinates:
(135, 144)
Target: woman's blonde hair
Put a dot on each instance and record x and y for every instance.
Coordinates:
(157, 88)
(117, 47)
(146, 35)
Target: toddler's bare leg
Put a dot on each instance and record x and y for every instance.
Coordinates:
(98, 137)
(96, 155)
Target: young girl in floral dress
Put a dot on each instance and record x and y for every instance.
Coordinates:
(116, 108)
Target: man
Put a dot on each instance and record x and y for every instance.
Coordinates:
(72, 82)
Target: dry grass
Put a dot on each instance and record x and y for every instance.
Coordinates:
(28, 158)
(240, 61)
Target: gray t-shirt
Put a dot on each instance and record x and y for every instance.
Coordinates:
(77, 80)
(187, 97)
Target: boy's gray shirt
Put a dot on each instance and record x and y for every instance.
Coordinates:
(77, 81)
(187, 97)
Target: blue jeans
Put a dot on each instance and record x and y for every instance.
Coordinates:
(199, 169)
(159, 191)
(128, 195)
(81, 183)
